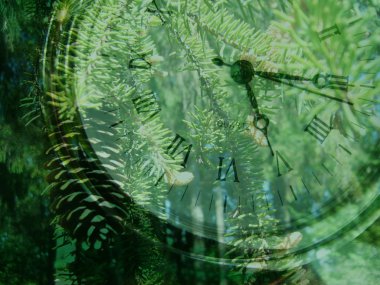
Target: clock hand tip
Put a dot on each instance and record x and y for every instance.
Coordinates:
(218, 61)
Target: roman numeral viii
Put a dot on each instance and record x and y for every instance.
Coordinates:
(220, 168)
(318, 129)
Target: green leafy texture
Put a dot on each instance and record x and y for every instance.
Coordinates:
(91, 76)
(26, 244)
(88, 203)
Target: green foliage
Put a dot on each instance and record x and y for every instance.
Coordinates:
(101, 178)
(26, 244)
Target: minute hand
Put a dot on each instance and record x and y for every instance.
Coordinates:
(282, 77)
(275, 75)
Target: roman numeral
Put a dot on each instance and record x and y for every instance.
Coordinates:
(292, 190)
(316, 178)
(279, 159)
(139, 63)
(327, 169)
(212, 198)
(331, 81)
(279, 196)
(304, 184)
(177, 147)
(147, 104)
(158, 11)
(329, 32)
(196, 202)
(318, 129)
(220, 168)
(345, 149)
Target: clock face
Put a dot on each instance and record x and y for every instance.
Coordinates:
(234, 122)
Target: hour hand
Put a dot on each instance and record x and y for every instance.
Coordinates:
(252, 98)
(260, 121)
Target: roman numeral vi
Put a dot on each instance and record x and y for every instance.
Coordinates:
(220, 168)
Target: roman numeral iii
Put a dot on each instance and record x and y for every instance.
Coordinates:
(318, 129)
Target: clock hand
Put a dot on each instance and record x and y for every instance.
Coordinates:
(319, 80)
(260, 121)
(313, 91)
(252, 98)
(242, 71)
(276, 75)
(279, 77)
